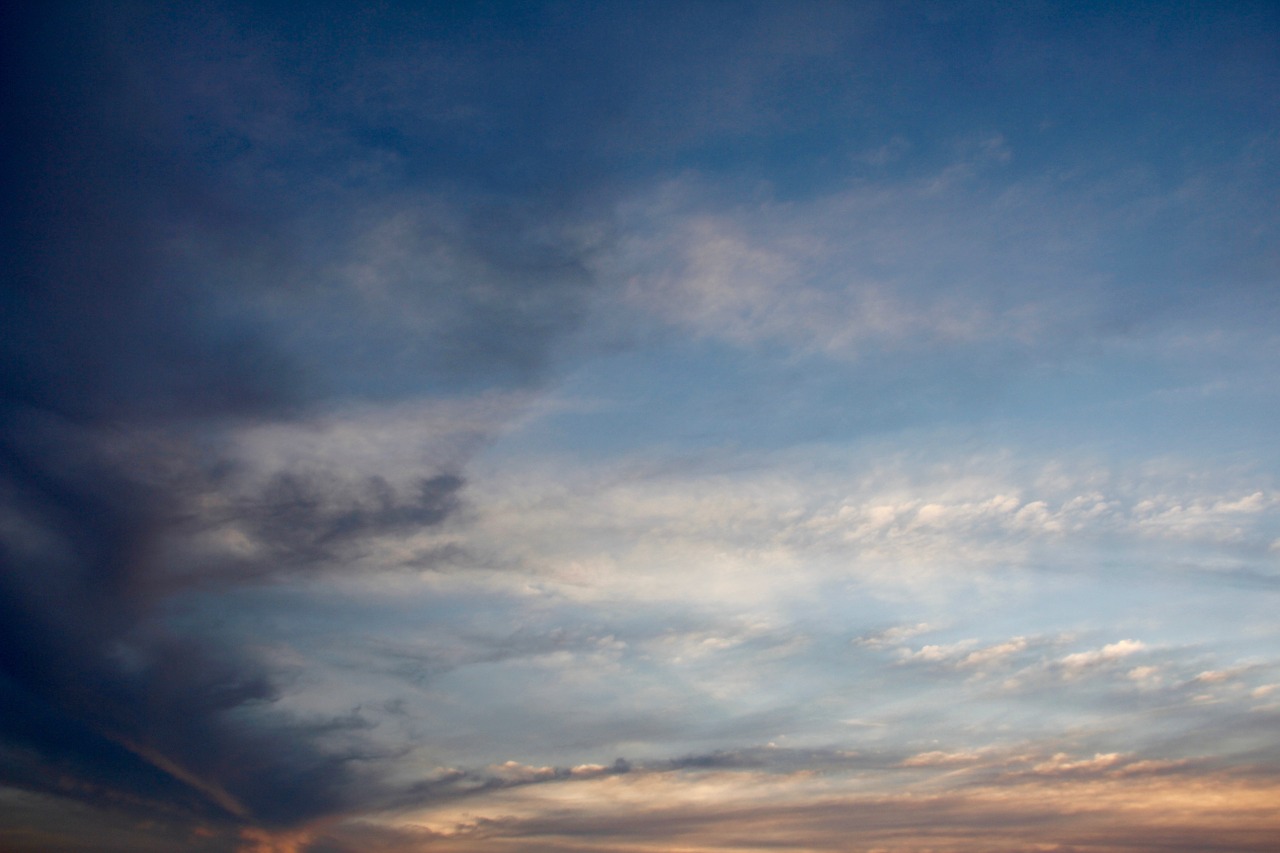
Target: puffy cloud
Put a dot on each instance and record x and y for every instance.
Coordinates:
(936, 653)
(941, 758)
(1075, 664)
(996, 654)
(1062, 763)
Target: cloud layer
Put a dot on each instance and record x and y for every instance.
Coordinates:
(562, 427)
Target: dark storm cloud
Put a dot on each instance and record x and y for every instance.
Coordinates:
(103, 702)
(195, 213)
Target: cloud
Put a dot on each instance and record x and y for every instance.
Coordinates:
(306, 524)
(953, 257)
(1220, 518)
(767, 526)
(1073, 665)
(833, 277)
(935, 653)
(453, 783)
(200, 300)
(714, 808)
(940, 758)
(996, 654)
(1063, 764)
(282, 290)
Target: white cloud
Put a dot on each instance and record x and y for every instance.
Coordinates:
(1146, 677)
(940, 758)
(1220, 518)
(935, 653)
(1211, 676)
(744, 532)
(1077, 663)
(1062, 763)
(996, 654)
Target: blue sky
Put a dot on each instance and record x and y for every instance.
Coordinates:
(617, 427)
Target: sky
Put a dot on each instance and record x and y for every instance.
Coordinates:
(703, 427)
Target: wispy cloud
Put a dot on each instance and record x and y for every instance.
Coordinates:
(1128, 805)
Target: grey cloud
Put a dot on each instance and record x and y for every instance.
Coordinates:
(457, 783)
(304, 523)
(773, 759)
(463, 783)
(422, 662)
